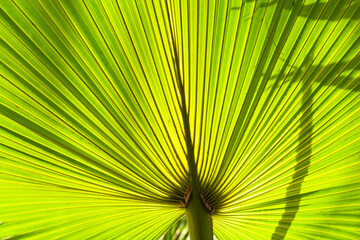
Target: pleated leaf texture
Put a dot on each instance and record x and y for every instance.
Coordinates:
(94, 94)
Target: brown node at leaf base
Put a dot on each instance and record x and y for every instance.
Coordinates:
(182, 204)
(187, 196)
(207, 205)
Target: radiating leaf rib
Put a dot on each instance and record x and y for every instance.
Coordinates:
(123, 137)
(101, 103)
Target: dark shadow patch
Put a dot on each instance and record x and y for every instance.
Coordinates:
(304, 152)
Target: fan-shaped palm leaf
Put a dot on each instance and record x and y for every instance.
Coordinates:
(117, 117)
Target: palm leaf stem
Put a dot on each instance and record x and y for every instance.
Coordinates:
(198, 217)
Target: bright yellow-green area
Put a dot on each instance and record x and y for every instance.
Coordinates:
(92, 143)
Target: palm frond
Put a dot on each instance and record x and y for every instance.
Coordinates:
(94, 94)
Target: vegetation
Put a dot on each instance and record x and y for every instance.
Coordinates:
(120, 117)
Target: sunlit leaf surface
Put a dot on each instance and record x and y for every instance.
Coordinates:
(92, 140)
(178, 231)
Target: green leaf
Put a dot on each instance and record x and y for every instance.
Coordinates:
(103, 103)
(178, 231)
